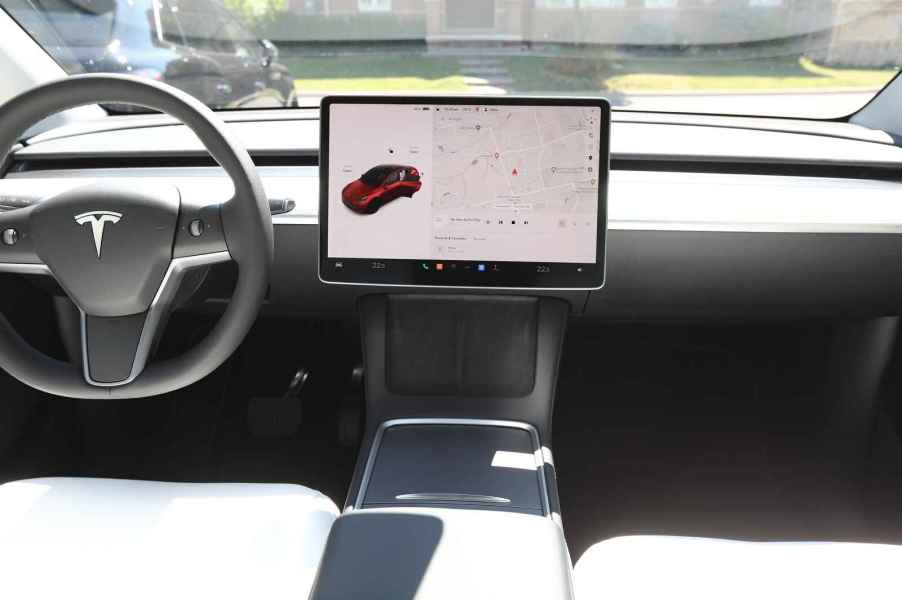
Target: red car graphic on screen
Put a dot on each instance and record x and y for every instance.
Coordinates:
(380, 185)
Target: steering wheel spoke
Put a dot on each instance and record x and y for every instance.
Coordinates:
(17, 250)
(112, 348)
(115, 350)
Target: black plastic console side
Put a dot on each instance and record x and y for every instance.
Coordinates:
(475, 357)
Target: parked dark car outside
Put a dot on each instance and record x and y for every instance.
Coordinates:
(196, 45)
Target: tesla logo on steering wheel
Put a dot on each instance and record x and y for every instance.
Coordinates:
(98, 220)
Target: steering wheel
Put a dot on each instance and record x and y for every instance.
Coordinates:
(120, 252)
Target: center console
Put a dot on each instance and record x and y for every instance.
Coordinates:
(454, 492)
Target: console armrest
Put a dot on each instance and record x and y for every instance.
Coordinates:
(443, 554)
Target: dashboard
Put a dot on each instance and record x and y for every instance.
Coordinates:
(708, 218)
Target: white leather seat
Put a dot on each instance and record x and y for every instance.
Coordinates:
(108, 538)
(646, 567)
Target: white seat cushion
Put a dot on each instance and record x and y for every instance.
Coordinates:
(109, 538)
(648, 567)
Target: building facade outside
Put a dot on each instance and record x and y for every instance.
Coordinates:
(850, 32)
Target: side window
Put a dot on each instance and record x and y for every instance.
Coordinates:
(201, 28)
(393, 177)
(81, 23)
(235, 39)
(170, 29)
(375, 176)
(205, 26)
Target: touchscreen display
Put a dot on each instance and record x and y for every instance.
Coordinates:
(429, 191)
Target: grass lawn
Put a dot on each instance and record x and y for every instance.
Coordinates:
(574, 74)
(376, 73)
(741, 76)
(636, 76)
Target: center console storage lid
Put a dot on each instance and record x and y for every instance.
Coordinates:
(436, 463)
(443, 554)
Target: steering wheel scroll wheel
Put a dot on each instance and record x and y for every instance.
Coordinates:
(120, 253)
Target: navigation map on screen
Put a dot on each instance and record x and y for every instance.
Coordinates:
(458, 182)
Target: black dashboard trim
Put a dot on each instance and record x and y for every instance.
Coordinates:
(294, 159)
(700, 164)
(785, 169)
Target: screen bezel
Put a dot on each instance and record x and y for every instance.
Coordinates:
(511, 275)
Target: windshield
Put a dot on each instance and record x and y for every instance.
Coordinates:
(796, 58)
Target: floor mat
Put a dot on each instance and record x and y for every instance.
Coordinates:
(200, 433)
(705, 432)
